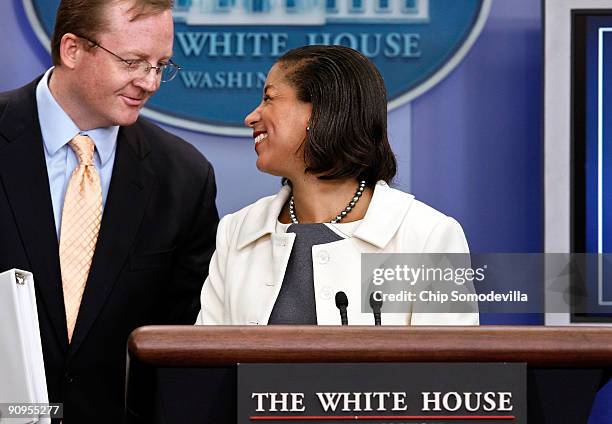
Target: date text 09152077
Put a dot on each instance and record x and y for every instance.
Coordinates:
(31, 410)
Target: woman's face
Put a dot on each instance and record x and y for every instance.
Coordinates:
(279, 127)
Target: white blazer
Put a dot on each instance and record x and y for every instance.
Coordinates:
(247, 269)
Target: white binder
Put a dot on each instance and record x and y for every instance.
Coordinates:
(22, 370)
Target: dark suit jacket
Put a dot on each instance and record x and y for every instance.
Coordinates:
(151, 259)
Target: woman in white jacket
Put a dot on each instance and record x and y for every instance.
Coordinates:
(322, 126)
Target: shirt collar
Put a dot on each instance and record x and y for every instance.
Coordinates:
(58, 129)
(382, 220)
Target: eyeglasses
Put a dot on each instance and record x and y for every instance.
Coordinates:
(141, 68)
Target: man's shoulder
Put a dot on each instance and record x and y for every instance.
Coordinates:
(167, 148)
(160, 139)
(7, 96)
(18, 94)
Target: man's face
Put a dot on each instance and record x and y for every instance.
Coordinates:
(106, 92)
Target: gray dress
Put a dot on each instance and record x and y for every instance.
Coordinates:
(296, 301)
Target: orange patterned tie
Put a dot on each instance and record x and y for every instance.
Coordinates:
(81, 218)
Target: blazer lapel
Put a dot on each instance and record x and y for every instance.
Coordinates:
(261, 221)
(282, 245)
(384, 216)
(23, 173)
(129, 192)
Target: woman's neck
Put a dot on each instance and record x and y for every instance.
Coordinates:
(319, 201)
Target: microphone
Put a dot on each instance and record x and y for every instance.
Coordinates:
(375, 305)
(342, 304)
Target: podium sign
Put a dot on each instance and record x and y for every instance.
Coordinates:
(382, 393)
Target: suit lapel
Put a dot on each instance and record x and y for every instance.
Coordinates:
(129, 192)
(23, 173)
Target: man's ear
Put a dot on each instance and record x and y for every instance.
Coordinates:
(70, 49)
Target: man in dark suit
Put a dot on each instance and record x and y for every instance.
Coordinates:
(73, 152)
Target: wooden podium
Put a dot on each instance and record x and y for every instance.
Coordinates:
(188, 373)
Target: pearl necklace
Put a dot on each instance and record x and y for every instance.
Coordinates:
(341, 215)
